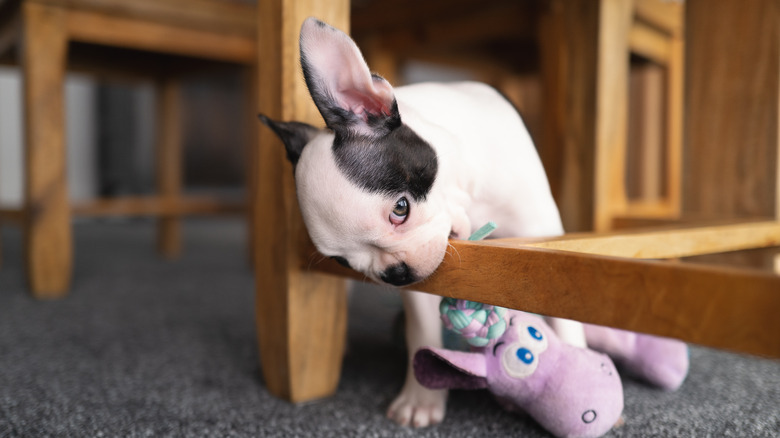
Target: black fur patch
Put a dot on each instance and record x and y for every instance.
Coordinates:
(294, 135)
(321, 23)
(342, 261)
(398, 162)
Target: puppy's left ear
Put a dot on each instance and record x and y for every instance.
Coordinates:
(349, 97)
(294, 135)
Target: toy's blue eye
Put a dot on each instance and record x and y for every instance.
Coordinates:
(524, 355)
(519, 361)
(536, 334)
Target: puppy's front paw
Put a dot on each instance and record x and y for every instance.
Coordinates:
(418, 406)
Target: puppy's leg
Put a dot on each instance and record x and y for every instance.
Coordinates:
(570, 332)
(416, 405)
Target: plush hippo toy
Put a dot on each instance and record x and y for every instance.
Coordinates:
(570, 391)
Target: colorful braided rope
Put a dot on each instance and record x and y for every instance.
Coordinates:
(478, 323)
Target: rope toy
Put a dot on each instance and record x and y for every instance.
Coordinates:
(483, 231)
(478, 323)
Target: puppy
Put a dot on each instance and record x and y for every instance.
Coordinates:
(400, 171)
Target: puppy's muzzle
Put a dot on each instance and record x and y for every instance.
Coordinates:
(398, 275)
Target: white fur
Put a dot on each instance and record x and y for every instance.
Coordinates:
(345, 221)
(488, 169)
(470, 189)
(488, 166)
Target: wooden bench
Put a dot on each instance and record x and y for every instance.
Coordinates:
(155, 39)
(301, 301)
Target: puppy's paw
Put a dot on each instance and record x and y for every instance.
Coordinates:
(418, 406)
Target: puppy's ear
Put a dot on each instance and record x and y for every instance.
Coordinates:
(294, 135)
(349, 97)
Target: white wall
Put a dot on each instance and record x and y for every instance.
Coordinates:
(80, 116)
(10, 138)
(420, 71)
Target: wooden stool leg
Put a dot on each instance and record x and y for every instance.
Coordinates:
(250, 79)
(301, 315)
(584, 47)
(731, 109)
(169, 164)
(48, 239)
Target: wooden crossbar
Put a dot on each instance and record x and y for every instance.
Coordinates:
(728, 308)
(158, 206)
(718, 307)
(85, 26)
(145, 206)
(663, 243)
(11, 215)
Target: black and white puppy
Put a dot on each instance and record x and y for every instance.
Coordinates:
(399, 172)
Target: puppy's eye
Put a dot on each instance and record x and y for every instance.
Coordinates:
(400, 212)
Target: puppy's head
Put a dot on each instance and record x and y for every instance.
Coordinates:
(366, 185)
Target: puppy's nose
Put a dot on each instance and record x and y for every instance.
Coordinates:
(398, 275)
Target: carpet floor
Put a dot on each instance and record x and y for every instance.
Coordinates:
(146, 347)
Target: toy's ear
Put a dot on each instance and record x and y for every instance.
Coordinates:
(437, 368)
(349, 97)
(294, 135)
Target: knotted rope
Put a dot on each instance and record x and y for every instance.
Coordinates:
(478, 323)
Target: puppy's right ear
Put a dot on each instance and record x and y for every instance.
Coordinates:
(349, 97)
(294, 135)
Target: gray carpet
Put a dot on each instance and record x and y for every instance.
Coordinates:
(148, 347)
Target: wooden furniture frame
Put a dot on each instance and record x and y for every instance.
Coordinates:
(585, 71)
(301, 302)
(48, 37)
(656, 34)
(654, 31)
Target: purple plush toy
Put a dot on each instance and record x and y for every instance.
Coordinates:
(570, 391)
(662, 362)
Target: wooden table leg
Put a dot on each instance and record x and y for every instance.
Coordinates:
(301, 315)
(732, 109)
(169, 163)
(48, 239)
(585, 68)
(250, 79)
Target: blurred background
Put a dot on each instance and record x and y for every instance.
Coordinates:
(111, 135)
